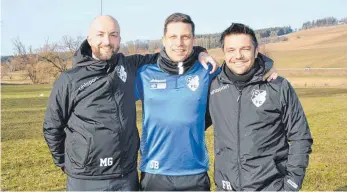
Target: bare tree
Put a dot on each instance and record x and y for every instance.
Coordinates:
(32, 67)
(131, 47)
(4, 70)
(10, 68)
(21, 56)
(26, 59)
(153, 45)
(59, 55)
(71, 44)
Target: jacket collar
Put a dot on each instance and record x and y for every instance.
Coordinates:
(83, 57)
(265, 64)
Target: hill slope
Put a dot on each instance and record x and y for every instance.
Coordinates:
(318, 47)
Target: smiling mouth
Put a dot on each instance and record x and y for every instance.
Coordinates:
(239, 62)
(178, 50)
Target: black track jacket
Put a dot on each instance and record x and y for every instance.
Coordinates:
(262, 138)
(90, 121)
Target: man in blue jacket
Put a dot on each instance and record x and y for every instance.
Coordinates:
(174, 95)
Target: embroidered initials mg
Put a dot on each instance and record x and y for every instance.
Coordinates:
(106, 162)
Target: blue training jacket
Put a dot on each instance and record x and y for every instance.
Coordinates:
(173, 120)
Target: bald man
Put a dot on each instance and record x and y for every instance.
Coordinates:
(90, 121)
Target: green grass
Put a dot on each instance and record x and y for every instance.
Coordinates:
(27, 164)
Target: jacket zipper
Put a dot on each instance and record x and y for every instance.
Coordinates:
(120, 123)
(238, 136)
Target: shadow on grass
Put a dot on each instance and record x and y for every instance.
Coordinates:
(16, 84)
(319, 92)
(24, 130)
(10, 103)
(341, 188)
(326, 112)
(24, 88)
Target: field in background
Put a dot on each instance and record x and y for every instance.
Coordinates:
(27, 164)
(17, 77)
(313, 77)
(324, 47)
(318, 47)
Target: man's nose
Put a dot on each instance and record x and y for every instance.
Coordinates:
(106, 40)
(179, 41)
(238, 55)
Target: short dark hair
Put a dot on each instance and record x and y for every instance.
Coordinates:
(179, 17)
(238, 28)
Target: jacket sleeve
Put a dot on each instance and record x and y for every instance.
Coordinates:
(299, 138)
(208, 120)
(56, 118)
(136, 61)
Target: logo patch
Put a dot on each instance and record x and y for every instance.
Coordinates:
(158, 84)
(193, 82)
(258, 97)
(121, 73)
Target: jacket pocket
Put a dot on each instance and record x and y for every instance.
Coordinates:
(277, 178)
(78, 148)
(281, 167)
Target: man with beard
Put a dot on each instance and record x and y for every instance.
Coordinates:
(90, 121)
(174, 93)
(262, 138)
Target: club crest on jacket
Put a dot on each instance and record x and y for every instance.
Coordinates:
(258, 97)
(121, 73)
(193, 82)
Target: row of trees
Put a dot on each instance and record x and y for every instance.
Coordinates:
(209, 41)
(343, 20)
(47, 62)
(273, 32)
(44, 63)
(328, 21)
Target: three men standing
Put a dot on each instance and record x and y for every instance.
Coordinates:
(262, 139)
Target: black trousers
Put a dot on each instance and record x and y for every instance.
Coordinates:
(155, 182)
(129, 182)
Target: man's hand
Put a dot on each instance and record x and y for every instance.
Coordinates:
(205, 58)
(270, 75)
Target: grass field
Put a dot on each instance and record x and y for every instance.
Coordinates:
(27, 164)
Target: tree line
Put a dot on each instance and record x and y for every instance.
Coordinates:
(47, 62)
(209, 41)
(42, 64)
(327, 21)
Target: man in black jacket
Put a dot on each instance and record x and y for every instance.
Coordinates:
(262, 138)
(90, 121)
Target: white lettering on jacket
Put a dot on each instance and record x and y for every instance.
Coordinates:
(219, 89)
